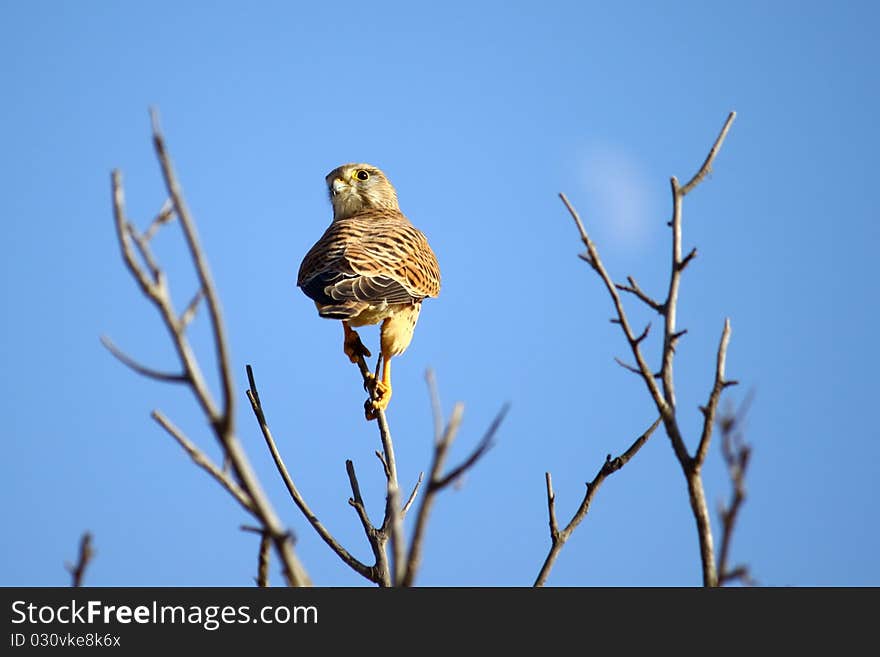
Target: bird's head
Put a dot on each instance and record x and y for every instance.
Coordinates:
(354, 187)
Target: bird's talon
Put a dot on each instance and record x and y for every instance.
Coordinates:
(354, 348)
(380, 395)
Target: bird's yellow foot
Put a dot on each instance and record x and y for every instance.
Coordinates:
(379, 398)
(353, 347)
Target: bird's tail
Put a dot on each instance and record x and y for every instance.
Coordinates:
(340, 311)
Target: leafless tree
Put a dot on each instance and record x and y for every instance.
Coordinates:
(396, 559)
(660, 384)
(239, 479)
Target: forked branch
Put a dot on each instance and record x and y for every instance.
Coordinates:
(437, 481)
(558, 536)
(663, 395)
(736, 453)
(350, 560)
(242, 484)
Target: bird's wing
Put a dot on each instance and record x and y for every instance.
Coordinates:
(375, 256)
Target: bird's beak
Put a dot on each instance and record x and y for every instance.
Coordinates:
(337, 186)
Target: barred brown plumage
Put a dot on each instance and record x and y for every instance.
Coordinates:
(371, 265)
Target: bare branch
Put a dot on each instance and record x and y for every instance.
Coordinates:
(436, 407)
(204, 274)
(690, 256)
(190, 312)
(393, 520)
(671, 308)
(123, 232)
(551, 508)
(665, 401)
(412, 496)
(736, 453)
(690, 466)
(204, 461)
(627, 366)
(437, 481)
(384, 464)
(559, 537)
(143, 370)
(326, 536)
(146, 253)
(247, 488)
(711, 406)
(166, 214)
(263, 561)
(482, 447)
(596, 263)
(157, 292)
(381, 574)
(357, 501)
(710, 158)
(86, 554)
(392, 524)
(739, 573)
(633, 288)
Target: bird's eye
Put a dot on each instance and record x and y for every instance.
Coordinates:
(362, 175)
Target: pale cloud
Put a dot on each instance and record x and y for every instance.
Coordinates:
(618, 194)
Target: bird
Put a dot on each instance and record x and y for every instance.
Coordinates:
(370, 266)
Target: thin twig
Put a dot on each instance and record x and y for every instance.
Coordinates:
(381, 573)
(670, 316)
(630, 368)
(436, 406)
(476, 454)
(190, 311)
(392, 524)
(326, 536)
(736, 453)
(165, 215)
(204, 461)
(150, 287)
(262, 578)
(357, 500)
(86, 554)
(710, 158)
(558, 537)
(596, 263)
(633, 288)
(718, 386)
(381, 458)
(143, 370)
(202, 270)
(696, 492)
(393, 521)
(551, 508)
(146, 253)
(437, 481)
(686, 260)
(412, 496)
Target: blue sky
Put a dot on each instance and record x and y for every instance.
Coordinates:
(480, 114)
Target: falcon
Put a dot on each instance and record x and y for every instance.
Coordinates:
(371, 265)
